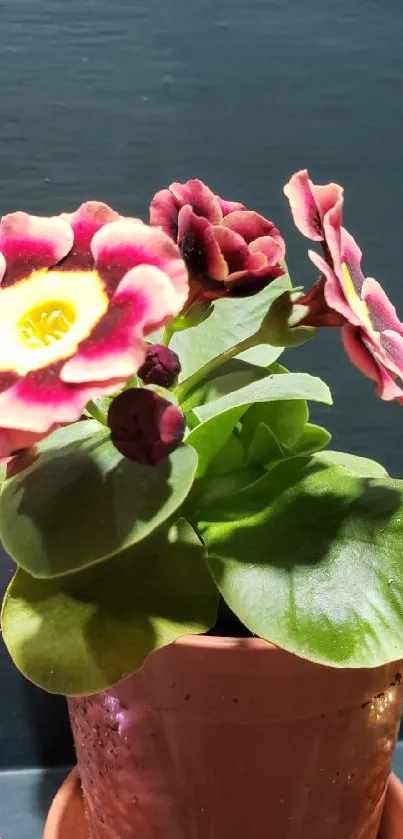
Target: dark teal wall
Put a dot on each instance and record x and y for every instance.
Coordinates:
(111, 100)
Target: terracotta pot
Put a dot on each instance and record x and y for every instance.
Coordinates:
(67, 820)
(219, 738)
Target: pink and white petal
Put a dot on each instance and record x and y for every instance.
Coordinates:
(14, 441)
(361, 357)
(199, 246)
(328, 197)
(333, 290)
(155, 295)
(144, 301)
(200, 197)
(391, 346)
(272, 248)
(229, 206)
(29, 243)
(85, 222)
(359, 354)
(250, 225)
(115, 348)
(2, 266)
(381, 311)
(41, 399)
(351, 256)
(333, 236)
(122, 245)
(304, 209)
(311, 203)
(164, 211)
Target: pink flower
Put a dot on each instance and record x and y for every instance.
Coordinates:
(372, 333)
(145, 427)
(79, 293)
(228, 250)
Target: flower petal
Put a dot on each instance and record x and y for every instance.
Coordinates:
(229, 206)
(272, 248)
(144, 301)
(250, 225)
(233, 248)
(310, 203)
(199, 247)
(333, 291)
(13, 442)
(2, 266)
(122, 245)
(360, 355)
(29, 243)
(391, 344)
(381, 311)
(40, 399)
(200, 197)
(85, 222)
(164, 212)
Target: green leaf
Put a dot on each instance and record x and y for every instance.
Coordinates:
(272, 388)
(312, 439)
(229, 459)
(359, 465)
(264, 447)
(310, 558)
(232, 321)
(211, 487)
(81, 633)
(285, 418)
(262, 356)
(210, 437)
(81, 501)
(232, 375)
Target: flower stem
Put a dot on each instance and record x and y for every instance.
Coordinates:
(186, 386)
(167, 335)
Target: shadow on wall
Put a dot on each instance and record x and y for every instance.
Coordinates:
(35, 729)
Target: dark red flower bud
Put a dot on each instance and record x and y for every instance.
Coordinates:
(145, 427)
(161, 367)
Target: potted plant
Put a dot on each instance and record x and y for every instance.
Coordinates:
(217, 592)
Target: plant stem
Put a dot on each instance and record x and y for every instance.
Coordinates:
(167, 335)
(96, 412)
(185, 387)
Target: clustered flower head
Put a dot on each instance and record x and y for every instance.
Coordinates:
(371, 331)
(228, 250)
(81, 292)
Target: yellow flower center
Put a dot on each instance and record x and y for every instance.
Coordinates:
(358, 306)
(45, 317)
(46, 323)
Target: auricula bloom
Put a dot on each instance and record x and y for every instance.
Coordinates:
(79, 293)
(372, 333)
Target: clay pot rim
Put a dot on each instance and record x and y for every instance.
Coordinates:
(220, 642)
(69, 796)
